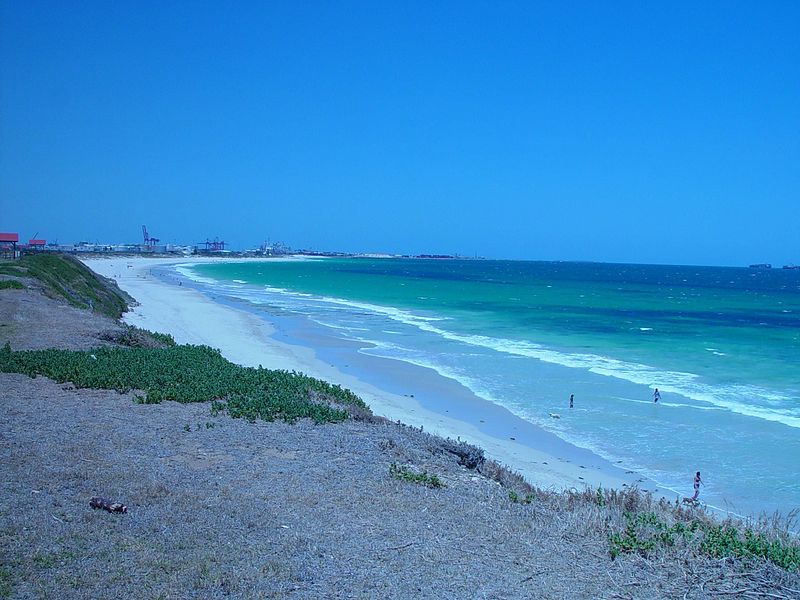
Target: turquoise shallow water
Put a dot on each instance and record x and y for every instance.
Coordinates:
(722, 345)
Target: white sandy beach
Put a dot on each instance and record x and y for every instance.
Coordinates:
(192, 318)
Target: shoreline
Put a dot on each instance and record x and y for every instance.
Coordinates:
(544, 459)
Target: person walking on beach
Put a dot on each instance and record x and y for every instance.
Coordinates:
(656, 396)
(571, 396)
(697, 482)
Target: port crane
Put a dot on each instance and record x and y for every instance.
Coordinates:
(149, 241)
(214, 245)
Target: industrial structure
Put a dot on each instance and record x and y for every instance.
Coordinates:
(214, 245)
(149, 242)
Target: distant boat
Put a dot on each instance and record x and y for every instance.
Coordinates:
(761, 266)
(791, 266)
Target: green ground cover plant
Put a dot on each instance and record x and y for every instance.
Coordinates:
(190, 374)
(66, 277)
(647, 531)
(725, 540)
(423, 478)
(11, 284)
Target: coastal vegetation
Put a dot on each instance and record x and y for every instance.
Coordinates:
(640, 525)
(191, 374)
(65, 277)
(11, 284)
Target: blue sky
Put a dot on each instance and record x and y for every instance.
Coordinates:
(614, 131)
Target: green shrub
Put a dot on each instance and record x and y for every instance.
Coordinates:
(11, 284)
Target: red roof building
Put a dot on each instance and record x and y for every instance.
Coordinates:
(36, 243)
(8, 244)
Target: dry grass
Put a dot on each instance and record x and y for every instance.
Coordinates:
(270, 510)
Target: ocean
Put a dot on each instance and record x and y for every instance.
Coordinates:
(722, 345)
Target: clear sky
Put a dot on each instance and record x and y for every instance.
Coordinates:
(609, 131)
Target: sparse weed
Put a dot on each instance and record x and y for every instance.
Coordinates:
(5, 582)
(44, 561)
(406, 474)
(600, 497)
(516, 499)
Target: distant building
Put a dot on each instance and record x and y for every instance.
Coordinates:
(37, 245)
(8, 245)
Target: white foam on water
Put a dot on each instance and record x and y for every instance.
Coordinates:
(732, 398)
(186, 270)
(737, 399)
(339, 326)
(669, 404)
(239, 281)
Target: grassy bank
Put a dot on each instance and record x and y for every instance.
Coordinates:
(65, 277)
